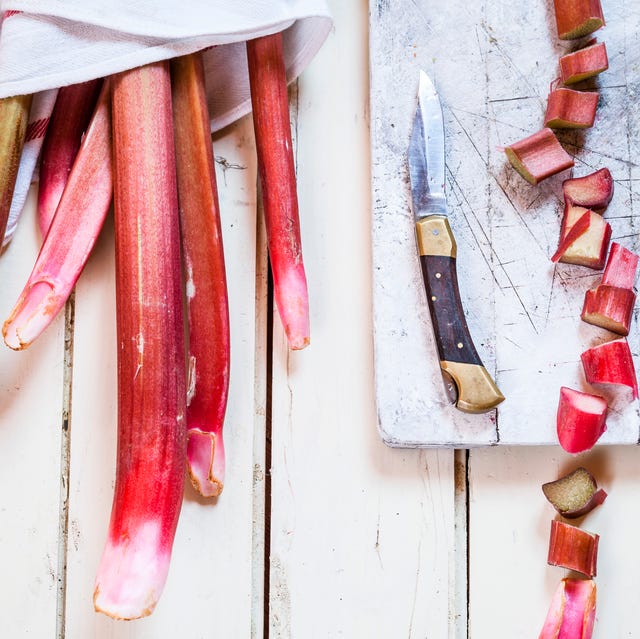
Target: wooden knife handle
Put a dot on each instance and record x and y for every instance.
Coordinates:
(477, 392)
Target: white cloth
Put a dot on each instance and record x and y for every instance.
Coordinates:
(46, 44)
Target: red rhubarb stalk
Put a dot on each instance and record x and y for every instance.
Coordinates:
(206, 287)
(573, 548)
(14, 117)
(569, 235)
(151, 364)
(593, 191)
(580, 420)
(538, 156)
(584, 63)
(590, 247)
(621, 267)
(66, 248)
(69, 120)
(278, 180)
(577, 18)
(572, 611)
(609, 307)
(610, 363)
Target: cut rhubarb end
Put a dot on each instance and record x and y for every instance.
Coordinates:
(590, 247)
(577, 18)
(611, 363)
(581, 420)
(572, 611)
(206, 460)
(621, 267)
(570, 233)
(593, 191)
(538, 156)
(575, 494)
(569, 109)
(270, 105)
(584, 63)
(609, 307)
(573, 548)
(69, 119)
(132, 572)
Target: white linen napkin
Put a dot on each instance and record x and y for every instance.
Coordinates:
(46, 44)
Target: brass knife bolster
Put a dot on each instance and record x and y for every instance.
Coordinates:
(477, 392)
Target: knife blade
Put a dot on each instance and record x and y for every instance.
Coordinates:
(473, 389)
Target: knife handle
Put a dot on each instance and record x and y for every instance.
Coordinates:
(477, 392)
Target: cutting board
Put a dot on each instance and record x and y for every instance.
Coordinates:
(492, 63)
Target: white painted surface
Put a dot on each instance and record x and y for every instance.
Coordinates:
(365, 541)
(523, 311)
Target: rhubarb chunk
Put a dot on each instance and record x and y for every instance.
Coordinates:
(590, 246)
(610, 363)
(538, 156)
(151, 355)
(584, 63)
(609, 307)
(581, 420)
(572, 611)
(573, 548)
(593, 191)
(621, 267)
(571, 231)
(575, 494)
(577, 18)
(569, 109)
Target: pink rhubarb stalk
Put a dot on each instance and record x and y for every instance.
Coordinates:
(278, 180)
(14, 117)
(573, 548)
(593, 191)
(81, 213)
(569, 109)
(609, 307)
(206, 286)
(584, 63)
(621, 267)
(572, 611)
(69, 120)
(151, 363)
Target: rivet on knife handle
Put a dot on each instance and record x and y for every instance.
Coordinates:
(477, 392)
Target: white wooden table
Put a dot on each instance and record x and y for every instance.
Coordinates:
(325, 532)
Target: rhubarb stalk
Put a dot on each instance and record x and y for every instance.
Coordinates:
(14, 117)
(581, 419)
(573, 548)
(278, 180)
(577, 18)
(66, 248)
(206, 286)
(575, 494)
(69, 119)
(151, 365)
(611, 363)
(572, 611)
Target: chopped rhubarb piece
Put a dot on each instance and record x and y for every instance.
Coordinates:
(572, 611)
(581, 420)
(203, 257)
(269, 100)
(577, 18)
(538, 156)
(575, 494)
(590, 247)
(66, 248)
(621, 267)
(610, 363)
(584, 63)
(609, 307)
(569, 109)
(14, 116)
(593, 191)
(73, 108)
(573, 548)
(571, 232)
(151, 355)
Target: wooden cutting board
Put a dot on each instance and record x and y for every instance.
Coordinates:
(492, 63)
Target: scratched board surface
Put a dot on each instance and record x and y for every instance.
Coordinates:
(492, 63)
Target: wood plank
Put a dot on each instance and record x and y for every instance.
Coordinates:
(31, 383)
(523, 309)
(210, 581)
(361, 535)
(509, 533)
